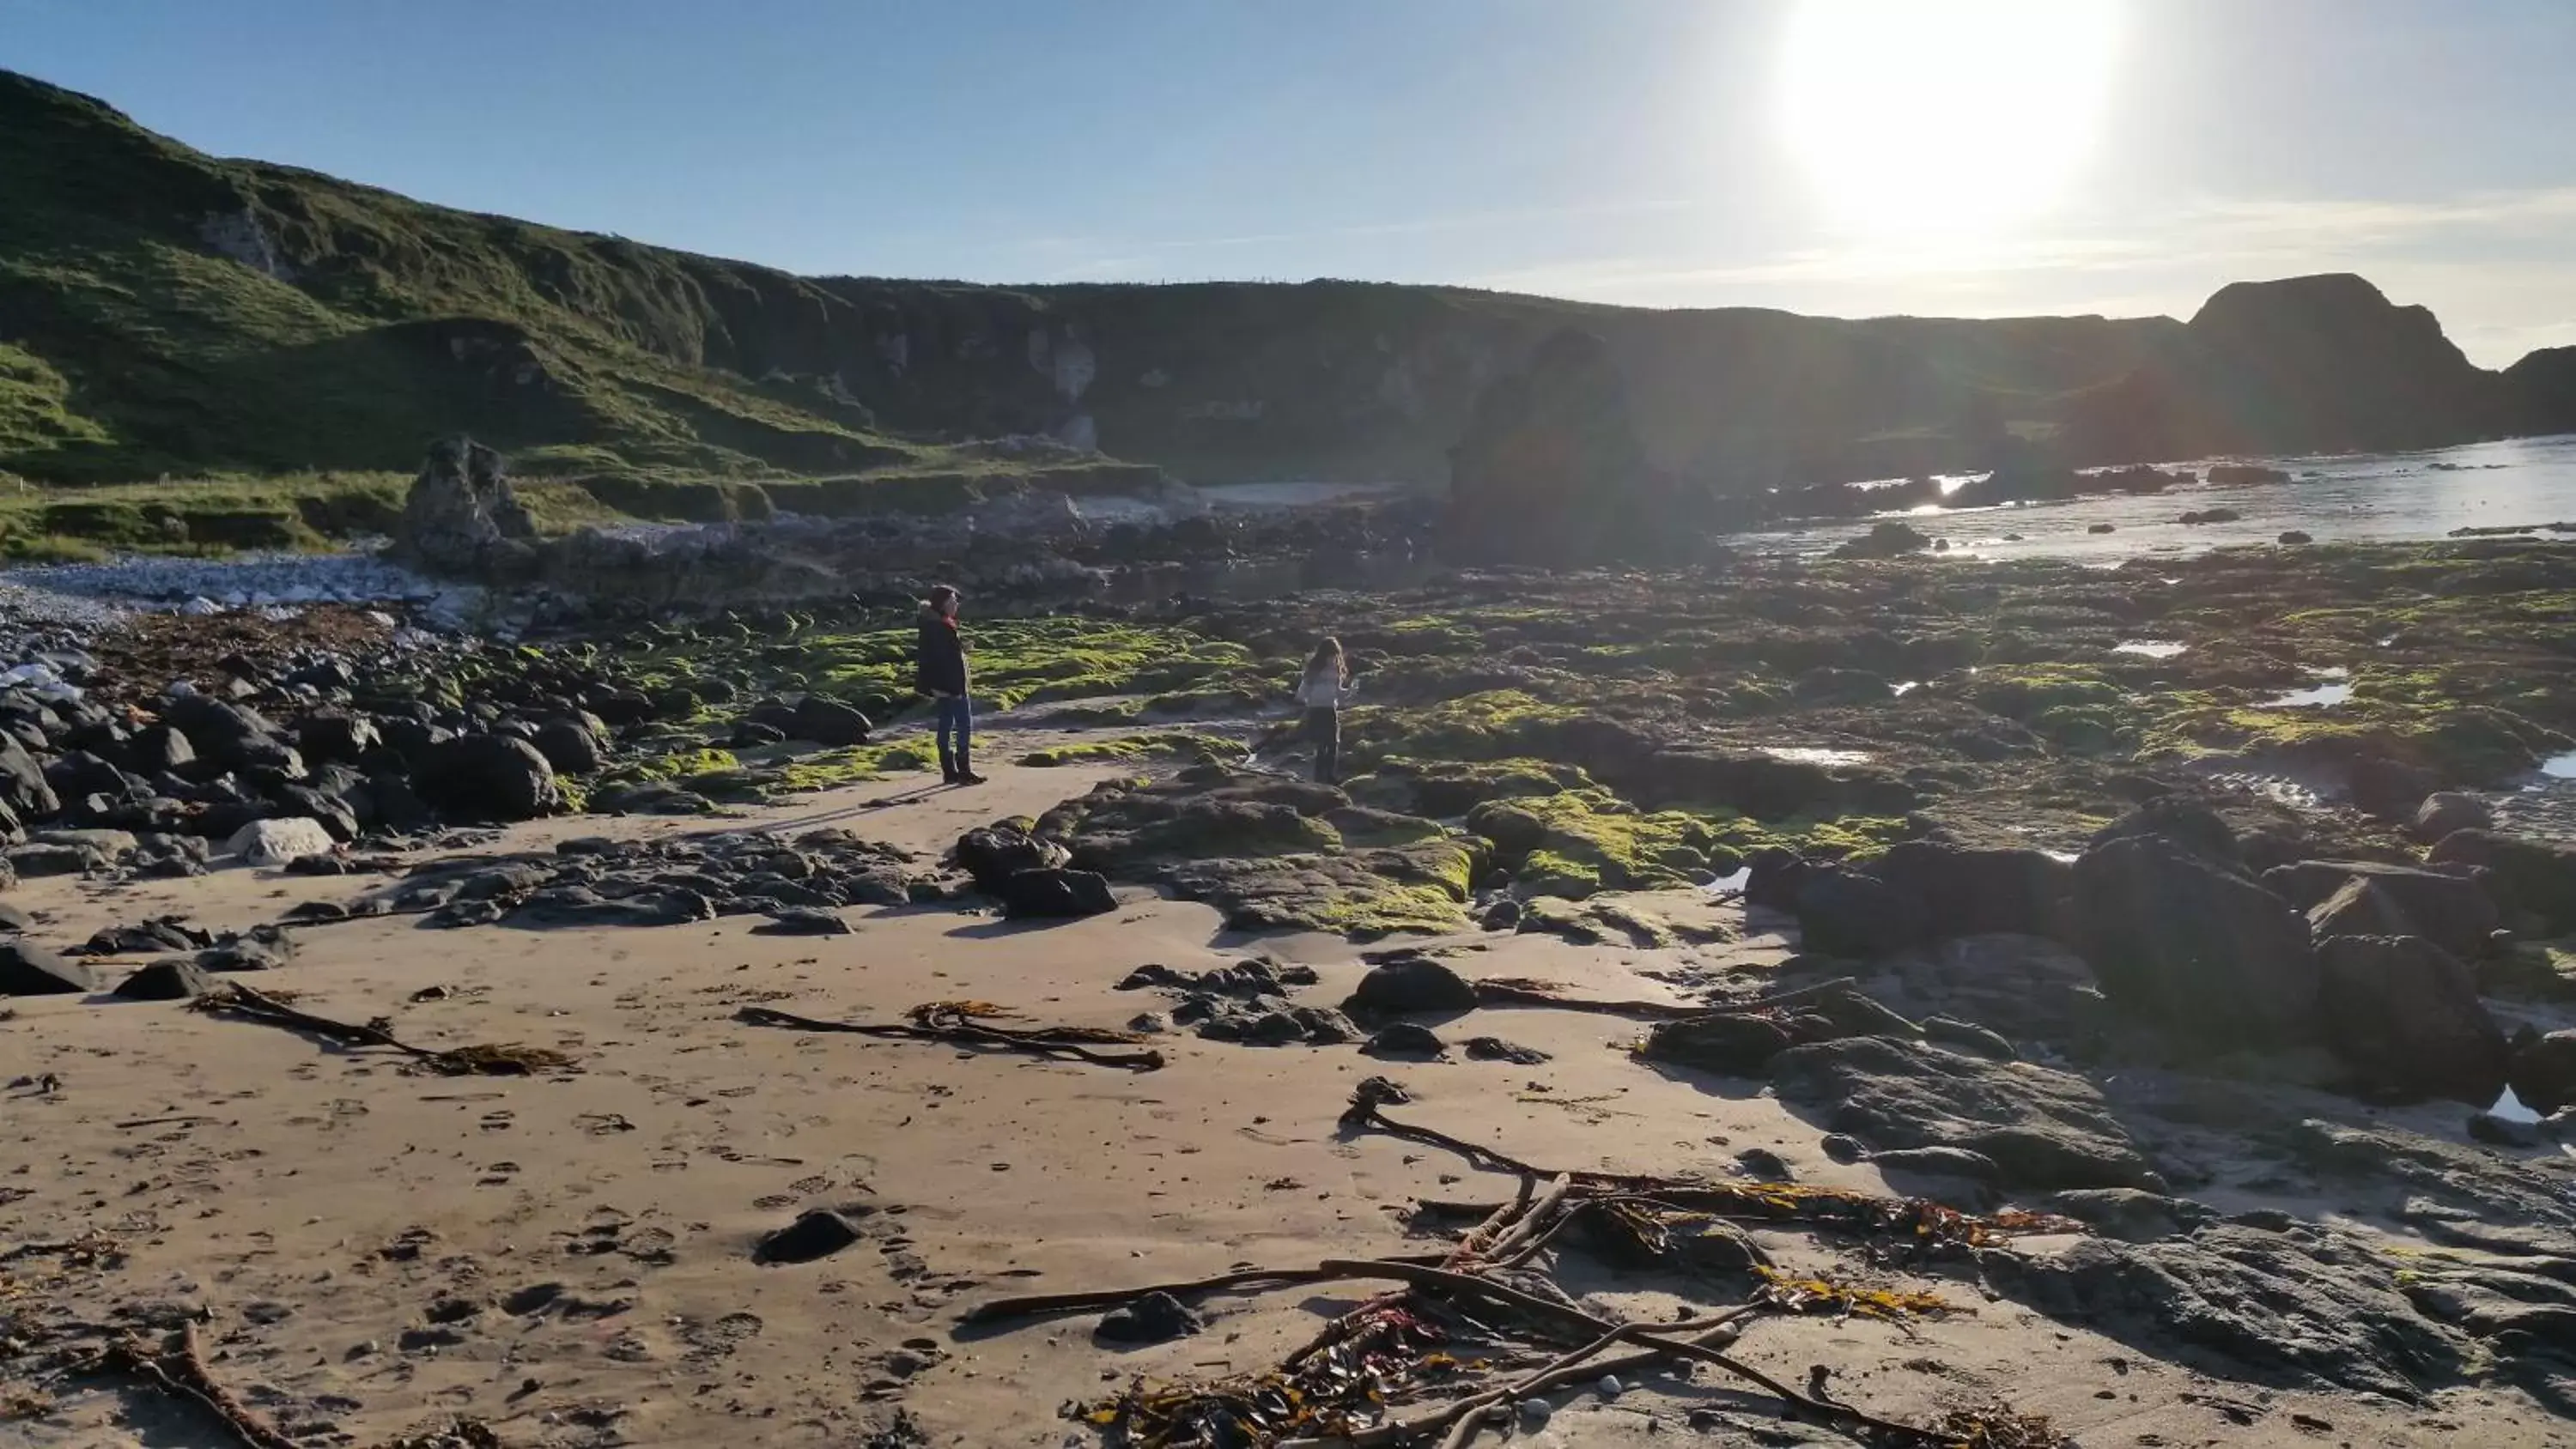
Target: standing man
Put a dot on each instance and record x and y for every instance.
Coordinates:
(941, 674)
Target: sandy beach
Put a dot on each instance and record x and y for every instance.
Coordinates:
(370, 1252)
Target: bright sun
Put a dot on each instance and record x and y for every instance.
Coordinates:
(1944, 115)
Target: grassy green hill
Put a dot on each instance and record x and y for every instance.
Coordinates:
(164, 313)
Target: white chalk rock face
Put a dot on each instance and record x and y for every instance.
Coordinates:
(275, 842)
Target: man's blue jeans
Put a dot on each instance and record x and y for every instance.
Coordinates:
(957, 723)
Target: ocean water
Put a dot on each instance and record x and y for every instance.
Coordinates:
(2382, 497)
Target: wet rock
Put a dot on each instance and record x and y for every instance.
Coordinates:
(2184, 823)
(1055, 893)
(2387, 789)
(27, 969)
(1843, 1148)
(1967, 1037)
(2365, 898)
(1407, 986)
(802, 922)
(2444, 1187)
(1950, 1162)
(2542, 1070)
(161, 933)
(1495, 1049)
(1154, 1318)
(1406, 1039)
(1893, 538)
(276, 842)
(335, 738)
(488, 777)
(2448, 813)
(1731, 1046)
(2320, 1312)
(2293, 537)
(571, 746)
(2043, 1128)
(37, 860)
(264, 948)
(2021, 987)
(2406, 1014)
(1846, 913)
(166, 981)
(1967, 892)
(816, 1234)
(2529, 876)
(2132, 1215)
(2182, 942)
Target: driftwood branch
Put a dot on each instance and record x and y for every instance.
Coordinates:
(962, 1029)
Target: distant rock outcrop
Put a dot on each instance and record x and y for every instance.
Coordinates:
(461, 517)
(2541, 391)
(2308, 364)
(1551, 469)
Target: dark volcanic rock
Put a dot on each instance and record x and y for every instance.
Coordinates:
(1053, 892)
(1967, 892)
(1154, 1318)
(1846, 913)
(802, 922)
(2319, 1312)
(1405, 986)
(167, 981)
(1894, 538)
(2044, 1129)
(1731, 1046)
(816, 1234)
(488, 777)
(27, 969)
(2181, 941)
(827, 722)
(2533, 876)
(571, 746)
(1551, 469)
(2543, 1071)
(995, 853)
(2448, 812)
(2451, 911)
(1405, 1039)
(2407, 1014)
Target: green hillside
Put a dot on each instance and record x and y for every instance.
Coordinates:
(167, 313)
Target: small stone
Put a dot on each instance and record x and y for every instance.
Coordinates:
(1405, 1039)
(1154, 1318)
(816, 1234)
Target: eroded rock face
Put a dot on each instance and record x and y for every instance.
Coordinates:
(1551, 469)
(2182, 942)
(461, 516)
(2406, 1013)
(2043, 1129)
(2320, 1309)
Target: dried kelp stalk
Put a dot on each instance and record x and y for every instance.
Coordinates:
(969, 1023)
(1998, 1427)
(1844, 1300)
(1337, 1392)
(503, 1060)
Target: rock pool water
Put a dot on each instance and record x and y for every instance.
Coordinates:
(2518, 483)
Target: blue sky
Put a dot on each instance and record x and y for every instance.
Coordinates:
(1636, 151)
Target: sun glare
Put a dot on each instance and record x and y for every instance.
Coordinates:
(1950, 116)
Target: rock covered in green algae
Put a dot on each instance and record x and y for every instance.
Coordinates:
(1268, 853)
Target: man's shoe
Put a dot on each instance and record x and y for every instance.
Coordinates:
(966, 777)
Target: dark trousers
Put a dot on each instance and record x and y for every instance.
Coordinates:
(1324, 731)
(956, 723)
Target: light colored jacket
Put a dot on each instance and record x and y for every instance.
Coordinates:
(1325, 688)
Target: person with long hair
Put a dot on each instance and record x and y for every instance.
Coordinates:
(1323, 689)
(940, 672)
